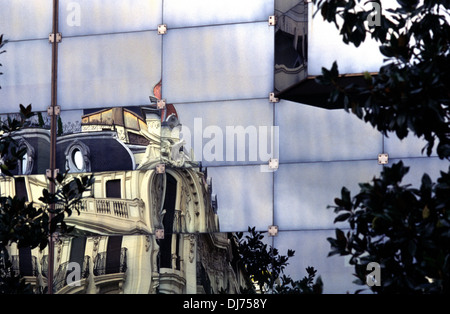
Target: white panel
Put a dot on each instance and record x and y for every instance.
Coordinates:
(303, 191)
(182, 13)
(244, 197)
(218, 63)
(230, 132)
(83, 17)
(325, 46)
(309, 133)
(25, 19)
(108, 70)
(26, 75)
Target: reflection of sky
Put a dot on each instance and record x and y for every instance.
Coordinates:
(325, 46)
(244, 197)
(311, 250)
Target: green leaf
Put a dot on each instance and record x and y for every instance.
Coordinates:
(342, 217)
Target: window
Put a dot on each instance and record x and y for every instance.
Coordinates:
(26, 267)
(113, 261)
(169, 206)
(78, 157)
(78, 160)
(21, 188)
(113, 189)
(25, 166)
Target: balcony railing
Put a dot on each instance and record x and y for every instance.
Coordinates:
(111, 215)
(61, 275)
(108, 206)
(100, 267)
(16, 267)
(118, 208)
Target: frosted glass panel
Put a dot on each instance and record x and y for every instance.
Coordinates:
(26, 75)
(419, 166)
(229, 132)
(303, 191)
(311, 250)
(244, 197)
(181, 13)
(218, 63)
(102, 16)
(309, 133)
(411, 146)
(325, 46)
(108, 70)
(24, 19)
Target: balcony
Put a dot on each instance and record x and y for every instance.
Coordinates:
(100, 267)
(60, 284)
(109, 279)
(30, 275)
(111, 216)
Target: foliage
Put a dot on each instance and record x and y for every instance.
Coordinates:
(304, 286)
(405, 230)
(2, 43)
(411, 91)
(265, 266)
(25, 223)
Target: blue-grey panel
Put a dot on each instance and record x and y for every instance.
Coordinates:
(421, 165)
(311, 250)
(24, 19)
(108, 70)
(218, 62)
(229, 132)
(411, 146)
(182, 13)
(309, 133)
(244, 197)
(26, 75)
(84, 17)
(303, 191)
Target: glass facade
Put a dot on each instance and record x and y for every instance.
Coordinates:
(185, 85)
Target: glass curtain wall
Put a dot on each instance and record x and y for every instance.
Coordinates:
(169, 105)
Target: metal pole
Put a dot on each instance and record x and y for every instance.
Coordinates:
(53, 129)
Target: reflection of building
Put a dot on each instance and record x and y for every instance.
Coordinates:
(147, 224)
(291, 47)
(200, 263)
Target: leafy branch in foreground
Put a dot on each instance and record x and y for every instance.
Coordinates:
(410, 92)
(265, 266)
(405, 230)
(27, 224)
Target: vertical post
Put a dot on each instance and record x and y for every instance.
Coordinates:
(53, 129)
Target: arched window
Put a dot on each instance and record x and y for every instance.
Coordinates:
(169, 207)
(78, 157)
(169, 255)
(25, 166)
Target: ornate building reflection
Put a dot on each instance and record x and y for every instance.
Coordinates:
(149, 224)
